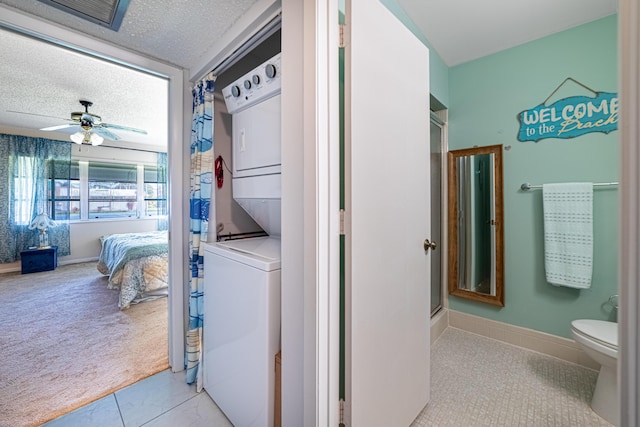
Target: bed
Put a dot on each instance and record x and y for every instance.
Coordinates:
(136, 264)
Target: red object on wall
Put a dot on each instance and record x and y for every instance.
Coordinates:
(219, 172)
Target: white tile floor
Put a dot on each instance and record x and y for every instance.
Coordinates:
(163, 400)
(475, 381)
(480, 382)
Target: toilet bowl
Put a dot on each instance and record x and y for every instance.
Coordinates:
(599, 339)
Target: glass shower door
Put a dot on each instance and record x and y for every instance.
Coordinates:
(436, 217)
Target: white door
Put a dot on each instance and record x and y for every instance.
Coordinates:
(387, 184)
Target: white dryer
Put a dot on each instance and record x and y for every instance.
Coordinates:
(254, 104)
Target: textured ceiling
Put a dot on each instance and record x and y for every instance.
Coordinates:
(42, 88)
(176, 31)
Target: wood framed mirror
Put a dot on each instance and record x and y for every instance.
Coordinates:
(476, 224)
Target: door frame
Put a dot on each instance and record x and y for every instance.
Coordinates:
(82, 44)
(629, 245)
(318, 29)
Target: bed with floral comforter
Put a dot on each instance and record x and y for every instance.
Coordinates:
(137, 265)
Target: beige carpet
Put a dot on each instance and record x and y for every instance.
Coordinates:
(65, 343)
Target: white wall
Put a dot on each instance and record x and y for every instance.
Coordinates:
(85, 236)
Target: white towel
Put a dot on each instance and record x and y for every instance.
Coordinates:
(568, 233)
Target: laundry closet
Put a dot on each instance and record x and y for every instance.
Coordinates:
(241, 330)
(329, 368)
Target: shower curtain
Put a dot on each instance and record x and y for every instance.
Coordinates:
(200, 200)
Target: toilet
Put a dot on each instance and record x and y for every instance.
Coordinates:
(599, 339)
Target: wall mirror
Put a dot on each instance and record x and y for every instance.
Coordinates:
(476, 236)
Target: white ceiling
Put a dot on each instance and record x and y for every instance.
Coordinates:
(175, 31)
(45, 80)
(42, 88)
(464, 30)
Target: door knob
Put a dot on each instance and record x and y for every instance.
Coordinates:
(429, 245)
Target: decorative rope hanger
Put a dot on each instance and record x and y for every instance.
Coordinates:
(561, 84)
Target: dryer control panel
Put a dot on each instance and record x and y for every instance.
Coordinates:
(257, 85)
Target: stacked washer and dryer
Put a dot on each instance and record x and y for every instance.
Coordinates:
(241, 331)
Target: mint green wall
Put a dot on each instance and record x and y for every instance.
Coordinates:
(438, 70)
(485, 97)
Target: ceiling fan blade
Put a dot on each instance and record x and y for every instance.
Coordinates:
(34, 114)
(105, 133)
(119, 127)
(58, 127)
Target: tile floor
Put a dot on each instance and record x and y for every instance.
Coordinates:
(163, 400)
(475, 381)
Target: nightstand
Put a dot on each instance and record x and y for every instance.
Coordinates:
(35, 260)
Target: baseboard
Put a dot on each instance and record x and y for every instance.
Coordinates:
(10, 267)
(439, 323)
(552, 345)
(76, 260)
(16, 267)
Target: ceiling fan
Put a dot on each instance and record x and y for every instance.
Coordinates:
(93, 129)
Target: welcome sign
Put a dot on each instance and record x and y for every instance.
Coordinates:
(570, 117)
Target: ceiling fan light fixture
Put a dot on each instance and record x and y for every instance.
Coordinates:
(96, 139)
(89, 123)
(86, 137)
(77, 137)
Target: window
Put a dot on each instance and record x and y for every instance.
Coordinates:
(155, 191)
(64, 191)
(113, 190)
(97, 190)
(24, 190)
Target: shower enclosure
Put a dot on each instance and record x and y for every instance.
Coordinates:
(436, 159)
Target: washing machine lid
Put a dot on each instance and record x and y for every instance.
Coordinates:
(260, 252)
(599, 330)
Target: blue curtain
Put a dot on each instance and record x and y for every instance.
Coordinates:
(200, 190)
(26, 164)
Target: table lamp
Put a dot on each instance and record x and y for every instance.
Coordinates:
(42, 222)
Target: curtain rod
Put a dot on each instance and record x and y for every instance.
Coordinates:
(526, 186)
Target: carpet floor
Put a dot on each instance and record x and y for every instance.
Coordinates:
(65, 343)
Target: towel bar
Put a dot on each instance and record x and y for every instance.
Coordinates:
(526, 186)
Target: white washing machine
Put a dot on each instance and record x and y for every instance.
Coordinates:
(241, 330)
